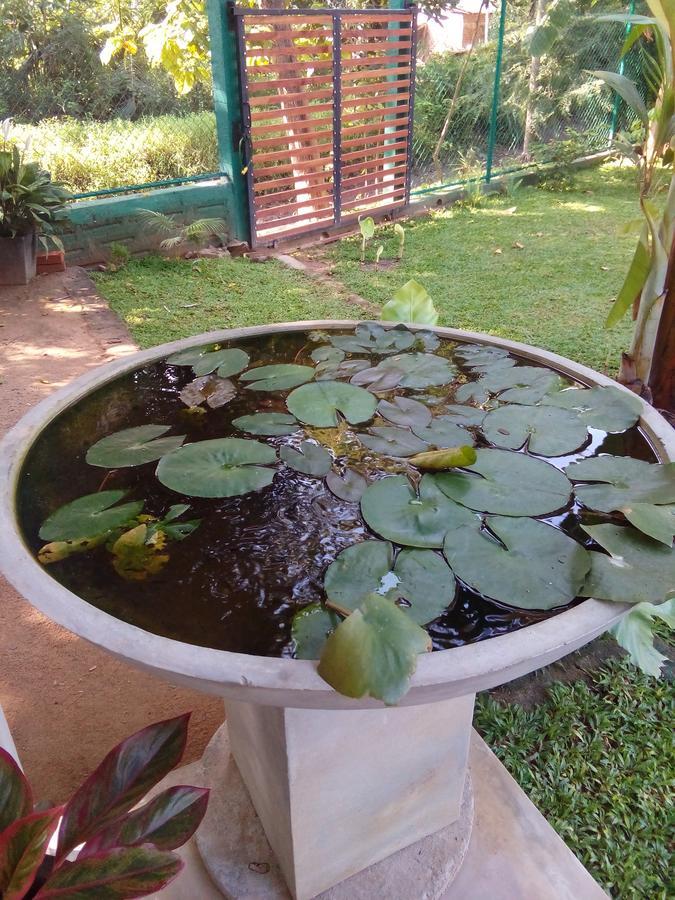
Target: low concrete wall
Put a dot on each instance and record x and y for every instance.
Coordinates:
(93, 225)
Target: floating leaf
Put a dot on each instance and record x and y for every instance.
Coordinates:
(471, 392)
(635, 633)
(310, 458)
(393, 441)
(224, 467)
(392, 508)
(189, 357)
(373, 652)
(356, 572)
(444, 431)
(329, 371)
(132, 447)
(89, 517)
(507, 484)
(56, 551)
(637, 570)
(377, 379)
(311, 627)
(349, 486)
(272, 424)
(404, 411)
(606, 408)
(427, 340)
(439, 460)
(546, 430)
(410, 303)
(227, 362)
(318, 404)
(532, 566)
(517, 384)
(215, 391)
(421, 370)
(480, 355)
(626, 482)
(464, 415)
(656, 521)
(136, 556)
(425, 582)
(369, 337)
(280, 377)
(327, 354)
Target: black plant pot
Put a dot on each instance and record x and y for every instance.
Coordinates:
(18, 259)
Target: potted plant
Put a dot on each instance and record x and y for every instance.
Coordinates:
(30, 203)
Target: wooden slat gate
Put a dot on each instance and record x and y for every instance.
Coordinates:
(327, 105)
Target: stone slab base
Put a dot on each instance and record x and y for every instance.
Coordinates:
(513, 852)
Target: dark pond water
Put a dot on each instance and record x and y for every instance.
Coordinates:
(237, 581)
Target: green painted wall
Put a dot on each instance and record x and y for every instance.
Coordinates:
(92, 225)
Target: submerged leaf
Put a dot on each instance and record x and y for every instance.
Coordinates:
(215, 391)
(272, 424)
(137, 556)
(439, 460)
(607, 408)
(532, 566)
(280, 377)
(89, 516)
(133, 447)
(626, 482)
(224, 467)
(635, 633)
(349, 486)
(310, 458)
(546, 430)
(310, 628)
(373, 652)
(318, 404)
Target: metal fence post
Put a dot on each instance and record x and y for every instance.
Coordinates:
(227, 106)
(622, 65)
(492, 134)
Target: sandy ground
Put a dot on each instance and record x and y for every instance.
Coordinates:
(68, 702)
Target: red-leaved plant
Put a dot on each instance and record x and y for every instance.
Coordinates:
(125, 852)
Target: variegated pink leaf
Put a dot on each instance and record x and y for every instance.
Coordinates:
(16, 798)
(22, 848)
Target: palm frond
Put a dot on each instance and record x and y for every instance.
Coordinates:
(202, 228)
(157, 221)
(172, 242)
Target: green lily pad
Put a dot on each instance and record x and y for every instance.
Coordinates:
(327, 354)
(404, 411)
(426, 340)
(637, 570)
(480, 355)
(606, 408)
(373, 652)
(426, 582)
(421, 370)
(280, 377)
(223, 467)
(377, 379)
(443, 432)
(318, 404)
(507, 484)
(272, 424)
(369, 337)
(392, 508)
(449, 458)
(133, 447)
(357, 571)
(534, 567)
(656, 521)
(347, 368)
(311, 459)
(392, 440)
(349, 486)
(89, 517)
(472, 392)
(225, 362)
(514, 384)
(462, 414)
(310, 628)
(546, 430)
(215, 391)
(626, 481)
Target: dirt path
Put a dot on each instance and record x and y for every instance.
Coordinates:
(68, 702)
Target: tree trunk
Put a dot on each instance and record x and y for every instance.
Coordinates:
(662, 375)
(535, 65)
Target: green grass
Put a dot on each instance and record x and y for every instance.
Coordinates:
(597, 761)
(163, 300)
(554, 292)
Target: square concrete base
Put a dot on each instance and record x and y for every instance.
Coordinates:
(513, 854)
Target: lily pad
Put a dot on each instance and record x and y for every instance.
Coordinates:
(606, 408)
(378, 380)
(310, 628)
(347, 368)
(349, 486)
(426, 340)
(404, 411)
(472, 392)
(443, 431)
(225, 362)
(272, 424)
(369, 337)
(425, 582)
(532, 565)
(440, 460)
(421, 370)
(514, 384)
(357, 571)
(637, 570)
(656, 521)
(393, 509)
(133, 447)
(480, 355)
(546, 430)
(89, 517)
(318, 404)
(626, 481)
(373, 652)
(327, 354)
(393, 441)
(224, 467)
(280, 377)
(311, 459)
(215, 391)
(507, 484)
(465, 415)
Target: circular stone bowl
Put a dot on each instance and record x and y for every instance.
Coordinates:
(271, 681)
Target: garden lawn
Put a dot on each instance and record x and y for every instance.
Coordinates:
(534, 266)
(163, 300)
